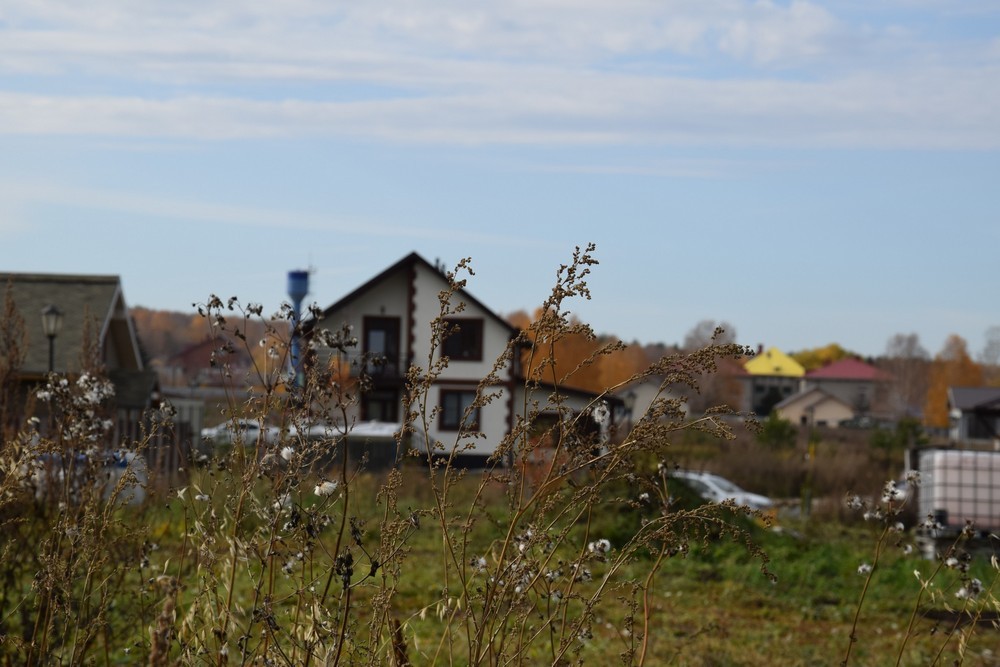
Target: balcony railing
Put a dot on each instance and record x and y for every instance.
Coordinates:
(376, 366)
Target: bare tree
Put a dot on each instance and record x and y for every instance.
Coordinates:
(908, 363)
(990, 356)
(717, 388)
(709, 332)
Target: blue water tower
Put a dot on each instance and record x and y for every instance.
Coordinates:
(298, 287)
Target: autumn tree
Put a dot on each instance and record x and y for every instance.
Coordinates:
(952, 367)
(623, 364)
(580, 359)
(818, 357)
(907, 363)
(520, 319)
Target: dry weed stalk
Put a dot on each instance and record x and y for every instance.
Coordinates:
(289, 550)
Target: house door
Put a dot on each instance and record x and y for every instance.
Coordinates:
(381, 346)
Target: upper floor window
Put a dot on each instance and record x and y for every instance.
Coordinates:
(382, 346)
(466, 340)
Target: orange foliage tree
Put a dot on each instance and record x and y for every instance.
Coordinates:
(580, 360)
(952, 367)
(818, 357)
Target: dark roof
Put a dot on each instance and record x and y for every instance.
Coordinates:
(968, 399)
(79, 297)
(406, 263)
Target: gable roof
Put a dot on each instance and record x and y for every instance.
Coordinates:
(98, 299)
(405, 263)
(774, 362)
(968, 399)
(847, 368)
(810, 397)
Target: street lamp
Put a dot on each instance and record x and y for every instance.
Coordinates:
(52, 319)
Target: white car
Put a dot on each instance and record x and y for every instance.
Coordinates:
(247, 430)
(715, 489)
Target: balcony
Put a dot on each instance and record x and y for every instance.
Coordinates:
(377, 366)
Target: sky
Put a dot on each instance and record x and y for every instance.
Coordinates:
(808, 172)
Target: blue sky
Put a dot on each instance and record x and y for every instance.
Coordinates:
(809, 172)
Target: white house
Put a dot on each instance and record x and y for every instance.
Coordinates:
(391, 317)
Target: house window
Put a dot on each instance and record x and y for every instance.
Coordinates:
(380, 406)
(381, 346)
(466, 340)
(454, 404)
(982, 426)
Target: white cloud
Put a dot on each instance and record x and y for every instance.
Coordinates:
(775, 35)
(550, 72)
(186, 36)
(544, 105)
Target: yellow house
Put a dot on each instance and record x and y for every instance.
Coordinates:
(772, 376)
(774, 362)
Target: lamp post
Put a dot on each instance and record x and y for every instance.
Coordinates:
(52, 319)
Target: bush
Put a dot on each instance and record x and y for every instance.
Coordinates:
(777, 433)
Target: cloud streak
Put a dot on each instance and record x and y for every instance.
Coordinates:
(23, 196)
(546, 73)
(939, 109)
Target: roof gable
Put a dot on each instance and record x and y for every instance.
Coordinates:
(810, 398)
(774, 362)
(969, 399)
(407, 264)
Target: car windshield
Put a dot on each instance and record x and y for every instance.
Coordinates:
(698, 486)
(726, 485)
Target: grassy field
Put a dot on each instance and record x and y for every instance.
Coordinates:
(711, 604)
(581, 550)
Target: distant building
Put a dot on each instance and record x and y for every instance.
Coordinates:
(974, 415)
(93, 312)
(193, 365)
(842, 391)
(856, 383)
(814, 407)
(771, 377)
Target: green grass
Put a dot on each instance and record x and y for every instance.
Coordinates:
(712, 603)
(713, 606)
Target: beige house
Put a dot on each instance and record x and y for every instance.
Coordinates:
(814, 407)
